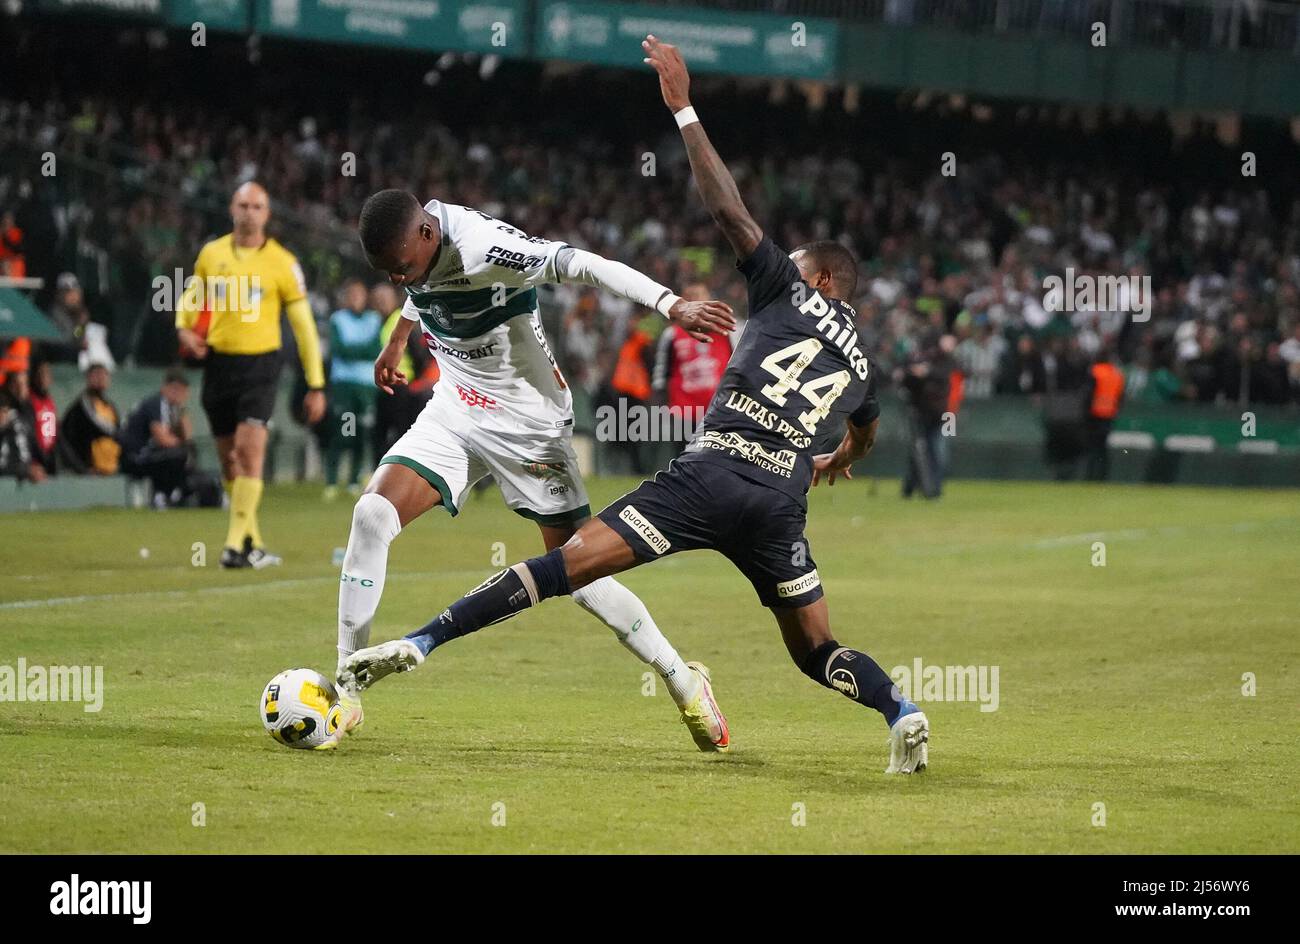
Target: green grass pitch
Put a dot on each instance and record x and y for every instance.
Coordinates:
(1119, 685)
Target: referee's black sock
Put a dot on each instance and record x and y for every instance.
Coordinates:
(499, 597)
(854, 674)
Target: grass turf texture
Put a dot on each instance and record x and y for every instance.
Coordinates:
(1119, 685)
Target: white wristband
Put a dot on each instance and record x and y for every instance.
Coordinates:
(668, 301)
(686, 116)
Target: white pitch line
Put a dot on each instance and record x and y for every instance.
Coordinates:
(1129, 534)
(270, 584)
(1064, 540)
(107, 597)
(1169, 531)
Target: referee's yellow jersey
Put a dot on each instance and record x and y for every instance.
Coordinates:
(245, 290)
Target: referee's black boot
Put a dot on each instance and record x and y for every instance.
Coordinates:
(232, 559)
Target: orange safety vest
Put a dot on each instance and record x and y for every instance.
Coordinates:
(427, 379)
(630, 374)
(12, 262)
(16, 358)
(1108, 389)
(956, 391)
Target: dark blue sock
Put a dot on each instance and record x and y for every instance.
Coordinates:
(498, 598)
(855, 675)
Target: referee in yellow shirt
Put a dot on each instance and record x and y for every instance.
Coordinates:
(244, 280)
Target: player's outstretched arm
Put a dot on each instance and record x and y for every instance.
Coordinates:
(715, 183)
(855, 445)
(700, 319)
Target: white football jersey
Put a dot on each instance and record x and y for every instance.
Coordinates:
(479, 316)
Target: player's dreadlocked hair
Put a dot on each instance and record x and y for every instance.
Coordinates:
(830, 255)
(385, 216)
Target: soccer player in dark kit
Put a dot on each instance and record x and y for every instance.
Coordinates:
(740, 488)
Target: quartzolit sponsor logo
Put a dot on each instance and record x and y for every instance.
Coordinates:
(792, 588)
(658, 543)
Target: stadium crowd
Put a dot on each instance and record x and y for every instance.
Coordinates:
(959, 214)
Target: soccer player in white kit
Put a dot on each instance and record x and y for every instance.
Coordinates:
(500, 407)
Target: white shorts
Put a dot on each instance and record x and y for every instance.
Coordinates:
(537, 475)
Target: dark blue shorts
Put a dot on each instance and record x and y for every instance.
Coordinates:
(696, 504)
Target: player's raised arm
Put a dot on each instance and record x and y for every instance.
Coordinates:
(715, 183)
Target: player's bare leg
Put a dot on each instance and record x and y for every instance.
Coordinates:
(807, 634)
(591, 554)
(588, 554)
(395, 496)
(623, 612)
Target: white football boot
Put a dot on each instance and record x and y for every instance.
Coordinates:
(353, 715)
(367, 666)
(909, 735)
(703, 718)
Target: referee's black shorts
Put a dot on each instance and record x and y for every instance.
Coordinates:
(239, 388)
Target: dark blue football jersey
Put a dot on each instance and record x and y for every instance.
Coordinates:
(797, 372)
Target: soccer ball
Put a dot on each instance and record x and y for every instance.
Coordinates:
(300, 708)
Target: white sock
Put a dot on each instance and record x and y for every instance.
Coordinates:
(622, 611)
(374, 525)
